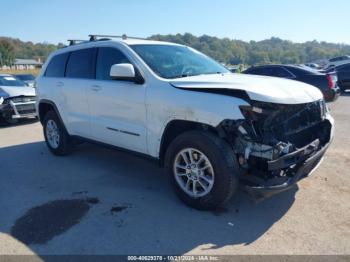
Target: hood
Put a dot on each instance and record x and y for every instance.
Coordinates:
(259, 88)
(12, 91)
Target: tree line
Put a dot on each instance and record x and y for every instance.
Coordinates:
(224, 50)
(273, 50)
(11, 48)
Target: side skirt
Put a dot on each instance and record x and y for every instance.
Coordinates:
(135, 153)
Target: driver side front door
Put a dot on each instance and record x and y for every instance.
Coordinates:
(117, 108)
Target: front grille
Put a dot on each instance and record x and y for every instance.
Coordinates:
(298, 117)
(20, 99)
(286, 122)
(23, 99)
(25, 109)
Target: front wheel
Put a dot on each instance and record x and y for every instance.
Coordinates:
(203, 169)
(56, 137)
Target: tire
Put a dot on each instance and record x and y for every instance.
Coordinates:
(62, 145)
(224, 166)
(11, 121)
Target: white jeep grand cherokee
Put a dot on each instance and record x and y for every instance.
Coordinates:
(210, 128)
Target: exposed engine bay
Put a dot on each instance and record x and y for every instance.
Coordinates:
(274, 140)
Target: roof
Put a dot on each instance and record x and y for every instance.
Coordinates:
(26, 62)
(145, 42)
(101, 42)
(128, 41)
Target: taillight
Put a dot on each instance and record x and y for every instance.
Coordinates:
(332, 80)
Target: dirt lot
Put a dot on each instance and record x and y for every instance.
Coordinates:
(100, 201)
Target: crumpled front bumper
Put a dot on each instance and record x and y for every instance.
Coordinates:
(18, 110)
(301, 162)
(302, 169)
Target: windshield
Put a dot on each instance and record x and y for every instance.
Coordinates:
(25, 77)
(10, 81)
(171, 61)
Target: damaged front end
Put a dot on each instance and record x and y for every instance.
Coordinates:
(17, 107)
(277, 145)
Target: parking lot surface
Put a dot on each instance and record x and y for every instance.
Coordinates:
(102, 201)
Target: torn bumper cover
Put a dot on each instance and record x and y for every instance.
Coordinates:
(303, 162)
(277, 145)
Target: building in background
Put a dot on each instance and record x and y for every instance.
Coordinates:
(26, 64)
(23, 64)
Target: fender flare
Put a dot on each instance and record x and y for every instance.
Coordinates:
(51, 103)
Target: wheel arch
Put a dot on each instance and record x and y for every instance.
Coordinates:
(176, 127)
(46, 106)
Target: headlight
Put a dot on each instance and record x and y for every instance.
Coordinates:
(323, 108)
(1, 100)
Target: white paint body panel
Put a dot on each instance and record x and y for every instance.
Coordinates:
(118, 107)
(147, 109)
(259, 88)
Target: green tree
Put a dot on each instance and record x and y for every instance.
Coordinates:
(7, 55)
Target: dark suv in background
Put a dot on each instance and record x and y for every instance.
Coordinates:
(343, 73)
(326, 82)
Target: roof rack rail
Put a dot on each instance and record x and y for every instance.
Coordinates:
(75, 41)
(124, 37)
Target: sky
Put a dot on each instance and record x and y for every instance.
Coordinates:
(56, 21)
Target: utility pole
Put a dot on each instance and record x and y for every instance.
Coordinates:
(1, 59)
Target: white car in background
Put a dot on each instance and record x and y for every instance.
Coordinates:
(209, 128)
(17, 99)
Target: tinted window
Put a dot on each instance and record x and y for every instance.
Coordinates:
(81, 64)
(107, 57)
(302, 70)
(254, 71)
(57, 66)
(279, 72)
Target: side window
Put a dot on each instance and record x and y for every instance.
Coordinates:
(281, 72)
(266, 71)
(255, 71)
(106, 57)
(57, 66)
(81, 64)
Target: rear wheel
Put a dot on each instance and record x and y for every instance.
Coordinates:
(203, 169)
(56, 137)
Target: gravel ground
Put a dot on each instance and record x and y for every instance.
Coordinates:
(101, 201)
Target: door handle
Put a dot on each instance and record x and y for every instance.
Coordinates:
(96, 88)
(59, 84)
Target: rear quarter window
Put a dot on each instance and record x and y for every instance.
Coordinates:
(57, 66)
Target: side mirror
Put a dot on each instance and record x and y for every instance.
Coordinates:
(126, 72)
(122, 71)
